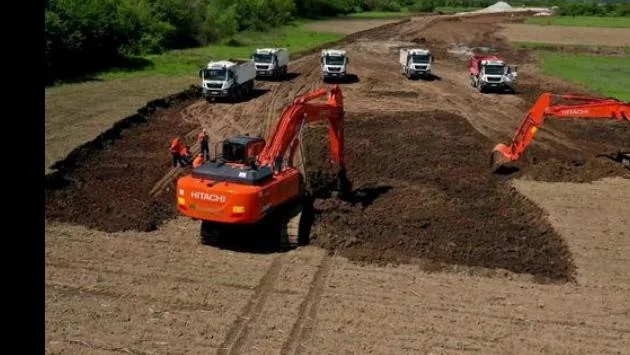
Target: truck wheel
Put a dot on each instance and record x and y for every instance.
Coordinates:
(236, 94)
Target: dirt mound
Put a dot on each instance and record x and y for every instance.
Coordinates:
(105, 184)
(424, 191)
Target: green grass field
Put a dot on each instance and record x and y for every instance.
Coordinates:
(582, 48)
(606, 75)
(581, 21)
(188, 61)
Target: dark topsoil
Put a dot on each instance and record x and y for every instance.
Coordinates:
(423, 187)
(108, 187)
(424, 190)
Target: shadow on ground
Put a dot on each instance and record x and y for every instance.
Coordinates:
(256, 93)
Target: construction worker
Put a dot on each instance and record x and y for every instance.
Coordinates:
(199, 160)
(203, 141)
(185, 155)
(175, 148)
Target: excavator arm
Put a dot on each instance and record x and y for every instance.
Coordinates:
(582, 107)
(285, 135)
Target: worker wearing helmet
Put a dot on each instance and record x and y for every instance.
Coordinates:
(175, 148)
(203, 141)
(199, 160)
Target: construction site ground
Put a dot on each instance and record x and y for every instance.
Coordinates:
(433, 255)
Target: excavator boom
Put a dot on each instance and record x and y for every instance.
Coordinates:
(239, 190)
(582, 107)
(302, 111)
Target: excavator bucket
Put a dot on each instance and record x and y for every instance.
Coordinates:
(343, 186)
(501, 159)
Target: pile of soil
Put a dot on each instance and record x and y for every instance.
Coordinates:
(424, 190)
(107, 188)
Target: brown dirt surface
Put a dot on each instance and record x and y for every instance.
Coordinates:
(107, 186)
(77, 113)
(568, 152)
(423, 192)
(409, 142)
(598, 36)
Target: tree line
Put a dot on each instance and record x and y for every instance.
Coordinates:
(85, 35)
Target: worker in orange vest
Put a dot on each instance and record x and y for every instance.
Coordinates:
(175, 148)
(199, 160)
(204, 144)
(185, 155)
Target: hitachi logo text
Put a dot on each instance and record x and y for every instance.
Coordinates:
(198, 195)
(573, 112)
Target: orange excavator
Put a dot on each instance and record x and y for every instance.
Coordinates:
(255, 183)
(580, 107)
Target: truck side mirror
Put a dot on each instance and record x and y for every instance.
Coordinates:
(347, 60)
(515, 68)
(201, 73)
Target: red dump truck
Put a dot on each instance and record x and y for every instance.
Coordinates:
(491, 72)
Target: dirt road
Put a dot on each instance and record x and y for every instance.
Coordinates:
(477, 255)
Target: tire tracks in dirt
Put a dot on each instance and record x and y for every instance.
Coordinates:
(240, 329)
(308, 309)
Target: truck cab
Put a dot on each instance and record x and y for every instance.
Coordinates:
(492, 72)
(416, 61)
(271, 61)
(227, 78)
(498, 71)
(333, 63)
(216, 76)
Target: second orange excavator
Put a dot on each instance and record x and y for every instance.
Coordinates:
(255, 183)
(577, 107)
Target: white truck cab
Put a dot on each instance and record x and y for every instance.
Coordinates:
(333, 63)
(272, 62)
(415, 62)
(497, 71)
(228, 78)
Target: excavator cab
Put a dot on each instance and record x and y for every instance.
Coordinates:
(241, 149)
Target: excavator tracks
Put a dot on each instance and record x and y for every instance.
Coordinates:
(285, 229)
(290, 228)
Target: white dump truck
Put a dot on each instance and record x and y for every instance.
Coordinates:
(415, 62)
(271, 62)
(333, 64)
(232, 78)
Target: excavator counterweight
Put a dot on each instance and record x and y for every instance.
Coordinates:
(254, 181)
(503, 156)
